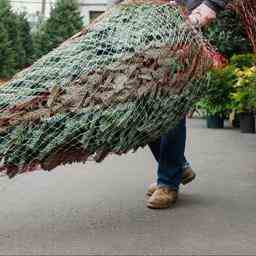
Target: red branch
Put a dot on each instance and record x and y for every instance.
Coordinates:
(247, 10)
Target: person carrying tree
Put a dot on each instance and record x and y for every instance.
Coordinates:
(169, 150)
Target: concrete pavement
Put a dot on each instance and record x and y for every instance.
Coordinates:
(100, 208)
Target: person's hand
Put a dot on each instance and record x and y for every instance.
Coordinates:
(173, 4)
(202, 15)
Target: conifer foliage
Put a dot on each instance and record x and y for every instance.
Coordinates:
(117, 85)
(64, 21)
(6, 54)
(15, 42)
(26, 39)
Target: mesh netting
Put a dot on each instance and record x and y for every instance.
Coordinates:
(122, 82)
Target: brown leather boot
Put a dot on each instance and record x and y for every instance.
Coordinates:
(162, 198)
(188, 176)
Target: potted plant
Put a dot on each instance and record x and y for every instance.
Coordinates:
(240, 61)
(217, 102)
(234, 119)
(215, 121)
(253, 103)
(245, 98)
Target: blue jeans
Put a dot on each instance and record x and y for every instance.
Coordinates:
(169, 152)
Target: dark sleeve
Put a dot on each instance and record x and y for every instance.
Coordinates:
(216, 5)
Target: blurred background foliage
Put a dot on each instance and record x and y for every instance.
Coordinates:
(20, 45)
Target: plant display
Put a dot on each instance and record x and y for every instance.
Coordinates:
(245, 95)
(224, 90)
(243, 60)
(218, 100)
(117, 85)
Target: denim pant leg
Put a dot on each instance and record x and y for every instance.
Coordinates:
(169, 152)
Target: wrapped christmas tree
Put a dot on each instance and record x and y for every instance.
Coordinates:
(117, 85)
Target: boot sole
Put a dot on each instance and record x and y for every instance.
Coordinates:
(188, 180)
(184, 182)
(153, 207)
(149, 194)
(160, 207)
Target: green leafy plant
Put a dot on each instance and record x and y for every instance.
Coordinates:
(231, 88)
(243, 60)
(218, 99)
(244, 97)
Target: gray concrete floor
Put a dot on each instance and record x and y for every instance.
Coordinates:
(100, 208)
